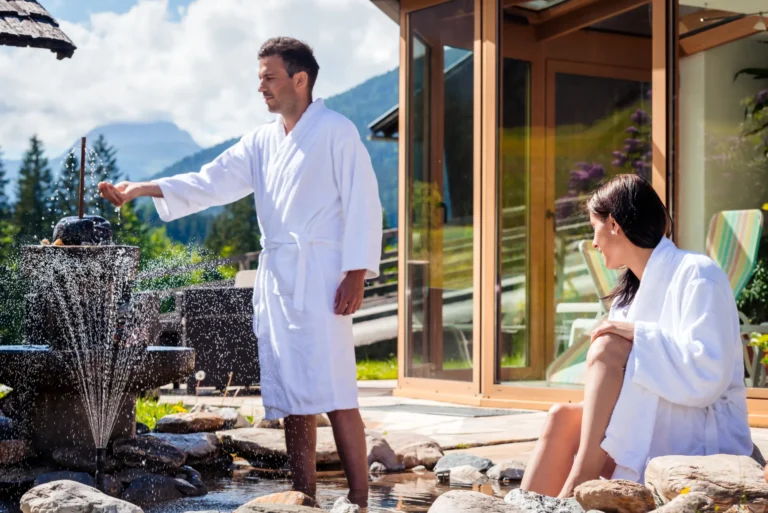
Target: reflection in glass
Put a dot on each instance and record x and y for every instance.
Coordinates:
(605, 133)
(440, 192)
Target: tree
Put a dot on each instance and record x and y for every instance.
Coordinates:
(5, 205)
(33, 214)
(106, 170)
(236, 230)
(65, 194)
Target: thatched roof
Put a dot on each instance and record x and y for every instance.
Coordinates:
(27, 23)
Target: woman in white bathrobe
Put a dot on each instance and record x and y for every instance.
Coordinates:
(665, 372)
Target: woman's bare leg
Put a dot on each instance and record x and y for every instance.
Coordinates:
(606, 361)
(553, 456)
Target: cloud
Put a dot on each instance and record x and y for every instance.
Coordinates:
(197, 68)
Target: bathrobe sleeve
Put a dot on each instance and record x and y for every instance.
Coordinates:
(690, 366)
(225, 180)
(359, 190)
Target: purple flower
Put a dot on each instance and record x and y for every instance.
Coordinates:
(578, 179)
(596, 172)
(640, 117)
(761, 97)
(632, 130)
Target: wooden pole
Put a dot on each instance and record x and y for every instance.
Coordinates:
(81, 204)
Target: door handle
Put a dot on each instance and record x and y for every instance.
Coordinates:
(549, 214)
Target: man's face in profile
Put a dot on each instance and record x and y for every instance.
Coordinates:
(279, 90)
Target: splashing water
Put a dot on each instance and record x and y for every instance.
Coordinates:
(82, 309)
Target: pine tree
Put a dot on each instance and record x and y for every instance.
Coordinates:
(235, 231)
(5, 205)
(33, 214)
(106, 171)
(65, 195)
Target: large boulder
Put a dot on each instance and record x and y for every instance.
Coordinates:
(617, 496)
(727, 480)
(72, 497)
(82, 460)
(466, 475)
(154, 488)
(198, 447)
(512, 470)
(413, 449)
(695, 502)
(268, 445)
(380, 452)
(469, 502)
(530, 502)
(149, 452)
(196, 422)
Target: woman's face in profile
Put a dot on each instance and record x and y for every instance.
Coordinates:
(606, 242)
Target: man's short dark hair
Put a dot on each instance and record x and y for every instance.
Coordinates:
(297, 56)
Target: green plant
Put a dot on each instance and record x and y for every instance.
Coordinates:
(149, 411)
(4, 390)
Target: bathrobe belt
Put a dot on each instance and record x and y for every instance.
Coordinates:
(303, 243)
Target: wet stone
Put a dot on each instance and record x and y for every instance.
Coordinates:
(128, 475)
(149, 452)
(155, 488)
(377, 468)
(192, 476)
(82, 460)
(14, 451)
(65, 475)
(197, 446)
(413, 449)
(141, 428)
(507, 471)
(530, 502)
(72, 497)
(190, 423)
(268, 445)
(7, 429)
(450, 461)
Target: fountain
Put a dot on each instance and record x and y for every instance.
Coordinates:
(88, 348)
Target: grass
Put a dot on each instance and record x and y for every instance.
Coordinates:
(149, 411)
(377, 369)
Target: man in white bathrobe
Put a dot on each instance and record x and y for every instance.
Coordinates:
(321, 223)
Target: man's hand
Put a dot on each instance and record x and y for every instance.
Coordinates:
(623, 329)
(349, 296)
(124, 192)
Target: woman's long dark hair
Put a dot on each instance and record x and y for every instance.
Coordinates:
(640, 213)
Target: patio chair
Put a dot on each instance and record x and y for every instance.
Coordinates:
(570, 367)
(733, 241)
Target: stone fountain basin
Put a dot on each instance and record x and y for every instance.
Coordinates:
(42, 369)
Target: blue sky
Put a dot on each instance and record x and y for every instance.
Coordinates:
(79, 11)
(190, 62)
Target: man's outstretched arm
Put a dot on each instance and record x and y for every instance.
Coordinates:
(124, 192)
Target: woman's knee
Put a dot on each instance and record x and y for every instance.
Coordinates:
(567, 414)
(611, 350)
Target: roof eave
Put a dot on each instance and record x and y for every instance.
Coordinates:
(389, 7)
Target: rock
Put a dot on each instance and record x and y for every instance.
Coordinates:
(460, 459)
(128, 475)
(688, 503)
(342, 505)
(7, 429)
(377, 468)
(65, 475)
(196, 422)
(530, 502)
(142, 429)
(21, 477)
(269, 424)
(413, 449)
(466, 475)
(290, 498)
(72, 497)
(198, 447)
(258, 507)
(14, 451)
(82, 460)
(321, 419)
(469, 502)
(419, 469)
(727, 480)
(379, 451)
(617, 496)
(507, 471)
(149, 452)
(154, 488)
(192, 476)
(233, 419)
(268, 445)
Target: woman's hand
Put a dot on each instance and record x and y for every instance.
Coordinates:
(623, 329)
(124, 192)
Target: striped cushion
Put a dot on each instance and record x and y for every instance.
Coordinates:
(733, 241)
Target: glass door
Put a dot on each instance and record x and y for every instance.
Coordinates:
(440, 194)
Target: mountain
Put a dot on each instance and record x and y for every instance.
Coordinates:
(362, 104)
(143, 149)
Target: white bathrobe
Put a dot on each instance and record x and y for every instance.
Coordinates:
(320, 216)
(683, 391)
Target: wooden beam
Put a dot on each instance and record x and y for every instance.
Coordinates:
(719, 35)
(565, 8)
(585, 17)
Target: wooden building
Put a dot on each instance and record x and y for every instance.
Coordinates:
(27, 23)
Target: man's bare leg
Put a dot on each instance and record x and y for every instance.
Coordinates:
(349, 434)
(552, 459)
(606, 361)
(301, 444)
